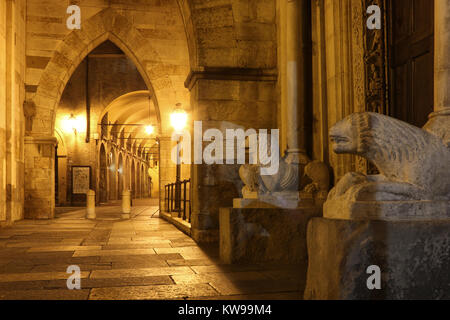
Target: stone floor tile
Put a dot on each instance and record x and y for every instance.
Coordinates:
(13, 277)
(145, 272)
(192, 262)
(138, 258)
(218, 277)
(63, 248)
(261, 296)
(63, 267)
(63, 294)
(153, 292)
(119, 252)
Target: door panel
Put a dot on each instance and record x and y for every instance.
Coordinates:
(412, 59)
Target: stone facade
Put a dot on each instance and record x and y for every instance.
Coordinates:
(298, 66)
(12, 122)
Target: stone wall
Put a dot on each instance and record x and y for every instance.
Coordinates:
(12, 74)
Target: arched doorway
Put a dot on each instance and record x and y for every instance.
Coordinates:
(138, 181)
(133, 180)
(120, 177)
(112, 175)
(127, 185)
(143, 186)
(55, 77)
(103, 177)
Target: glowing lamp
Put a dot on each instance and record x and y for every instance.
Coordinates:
(178, 119)
(149, 129)
(75, 124)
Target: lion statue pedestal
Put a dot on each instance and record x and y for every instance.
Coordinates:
(414, 166)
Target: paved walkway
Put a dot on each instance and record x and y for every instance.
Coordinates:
(141, 258)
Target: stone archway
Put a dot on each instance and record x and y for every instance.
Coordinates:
(120, 169)
(39, 141)
(133, 179)
(106, 25)
(112, 169)
(103, 174)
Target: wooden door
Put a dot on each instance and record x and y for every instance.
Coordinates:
(411, 59)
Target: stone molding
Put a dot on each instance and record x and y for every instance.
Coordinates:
(40, 140)
(227, 73)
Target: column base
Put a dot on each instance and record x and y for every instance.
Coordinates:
(264, 235)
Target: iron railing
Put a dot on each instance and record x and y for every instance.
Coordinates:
(177, 199)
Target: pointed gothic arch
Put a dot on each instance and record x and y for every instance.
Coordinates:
(105, 25)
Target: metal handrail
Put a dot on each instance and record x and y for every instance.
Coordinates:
(172, 204)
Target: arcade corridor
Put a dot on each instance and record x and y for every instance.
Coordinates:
(141, 258)
(224, 149)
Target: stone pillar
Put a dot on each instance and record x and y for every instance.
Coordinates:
(439, 122)
(90, 205)
(126, 204)
(296, 81)
(167, 172)
(224, 98)
(40, 177)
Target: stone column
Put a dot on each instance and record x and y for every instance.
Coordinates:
(40, 177)
(296, 81)
(167, 168)
(126, 204)
(439, 122)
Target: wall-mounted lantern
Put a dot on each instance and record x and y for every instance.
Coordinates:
(178, 118)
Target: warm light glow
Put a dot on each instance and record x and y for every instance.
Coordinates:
(178, 119)
(74, 124)
(149, 129)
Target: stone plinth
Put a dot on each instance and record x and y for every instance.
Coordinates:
(264, 235)
(386, 210)
(281, 200)
(413, 257)
(40, 177)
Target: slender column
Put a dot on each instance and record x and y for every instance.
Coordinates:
(295, 82)
(439, 122)
(442, 55)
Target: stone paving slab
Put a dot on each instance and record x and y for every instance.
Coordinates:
(124, 252)
(153, 293)
(62, 294)
(63, 267)
(139, 258)
(145, 272)
(13, 277)
(64, 248)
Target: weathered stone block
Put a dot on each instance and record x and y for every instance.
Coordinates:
(265, 235)
(414, 258)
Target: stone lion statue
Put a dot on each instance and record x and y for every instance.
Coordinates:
(414, 164)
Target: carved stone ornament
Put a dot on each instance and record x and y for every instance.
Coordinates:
(29, 112)
(414, 166)
(285, 189)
